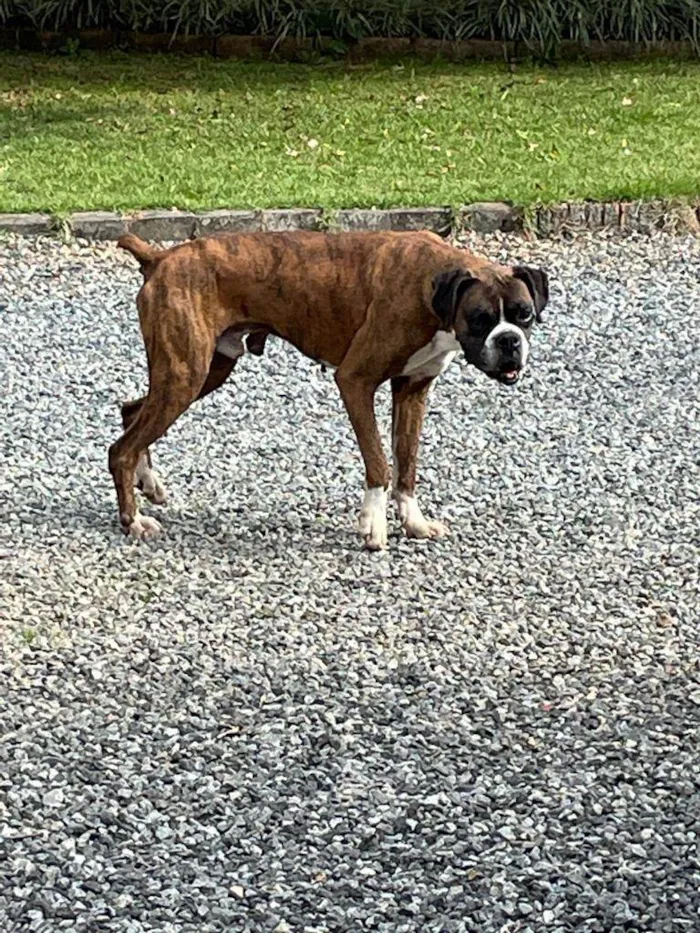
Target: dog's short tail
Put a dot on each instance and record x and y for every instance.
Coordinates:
(139, 249)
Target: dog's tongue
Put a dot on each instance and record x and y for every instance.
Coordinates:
(511, 374)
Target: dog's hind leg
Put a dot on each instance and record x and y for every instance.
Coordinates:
(146, 478)
(173, 388)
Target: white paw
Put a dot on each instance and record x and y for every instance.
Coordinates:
(372, 521)
(144, 527)
(425, 529)
(415, 525)
(148, 481)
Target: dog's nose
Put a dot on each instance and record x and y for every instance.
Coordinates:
(508, 343)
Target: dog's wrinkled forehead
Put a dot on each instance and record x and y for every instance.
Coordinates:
(496, 293)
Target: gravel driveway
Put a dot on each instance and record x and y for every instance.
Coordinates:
(252, 725)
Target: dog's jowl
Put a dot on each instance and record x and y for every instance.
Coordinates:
(375, 306)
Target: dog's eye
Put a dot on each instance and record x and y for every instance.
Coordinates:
(480, 324)
(523, 315)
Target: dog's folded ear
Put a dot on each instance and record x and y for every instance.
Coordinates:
(537, 283)
(448, 289)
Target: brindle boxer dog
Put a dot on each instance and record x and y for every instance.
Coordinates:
(374, 306)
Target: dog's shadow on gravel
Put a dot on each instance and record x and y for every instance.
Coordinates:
(217, 532)
(240, 531)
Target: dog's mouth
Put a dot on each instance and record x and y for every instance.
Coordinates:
(507, 377)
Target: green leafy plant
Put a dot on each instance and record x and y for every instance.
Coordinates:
(540, 24)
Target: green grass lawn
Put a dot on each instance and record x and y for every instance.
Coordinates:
(115, 131)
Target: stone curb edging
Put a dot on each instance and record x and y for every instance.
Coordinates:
(256, 47)
(479, 217)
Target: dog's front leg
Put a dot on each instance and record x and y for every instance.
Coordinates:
(358, 395)
(408, 410)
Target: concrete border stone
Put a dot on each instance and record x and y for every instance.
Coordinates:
(360, 219)
(296, 218)
(98, 225)
(162, 225)
(224, 221)
(490, 217)
(437, 219)
(27, 224)
(481, 217)
(688, 219)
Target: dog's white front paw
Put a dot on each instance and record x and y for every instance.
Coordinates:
(372, 521)
(149, 482)
(415, 525)
(143, 527)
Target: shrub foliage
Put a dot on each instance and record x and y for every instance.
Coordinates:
(542, 24)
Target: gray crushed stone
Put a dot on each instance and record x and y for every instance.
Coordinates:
(252, 725)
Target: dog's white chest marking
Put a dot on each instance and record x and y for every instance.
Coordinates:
(434, 357)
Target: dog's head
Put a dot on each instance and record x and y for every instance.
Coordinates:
(492, 317)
